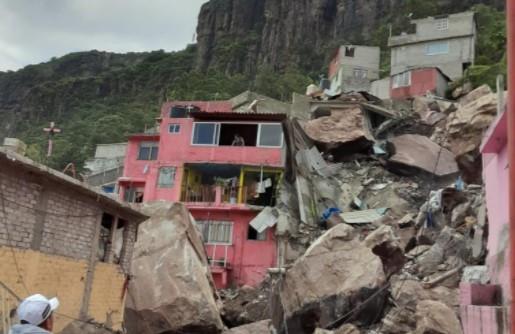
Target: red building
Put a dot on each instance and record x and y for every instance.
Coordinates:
(418, 82)
(224, 161)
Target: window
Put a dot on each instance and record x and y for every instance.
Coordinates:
(437, 48)
(402, 80)
(270, 135)
(253, 234)
(360, 73)
(442, 24)
(215, 232)
(166, 177)
(205, 133)
(148, 151)
(349, 51)
(133, 195)
(178, 112)
(174, 128)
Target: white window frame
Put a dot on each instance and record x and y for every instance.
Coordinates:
(151, 145)
(442, 24)
(437, 53)
(363, 73)
(258, 139)
(218, 130)
(176, 128)
(216, 135)
(396, 84)
(213, 222)
(174, 175)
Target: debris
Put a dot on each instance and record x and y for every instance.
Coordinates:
(246, 305)
(330, 280)
(436, 317)
(476, 275)
(444, 276)
(265, 219)
(260, 327)
(419, 152)
(385, 244)
(380, 186)
(363, 217)
(399, 320)
(409, 292)
(159, 300)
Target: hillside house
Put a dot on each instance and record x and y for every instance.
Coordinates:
(106, 167)
(419, 82)
(353, 68)
(447, 42)
(224, 160)
(60, 237)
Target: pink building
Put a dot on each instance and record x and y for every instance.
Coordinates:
(484, 308)
(224, 161)
(418, 82)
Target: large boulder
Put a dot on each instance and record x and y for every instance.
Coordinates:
(414, 153)
(260, 327)
(435, 317)
(172, 290)
(345, 129)
(335, 276)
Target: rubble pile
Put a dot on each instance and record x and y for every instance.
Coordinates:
(388, 226)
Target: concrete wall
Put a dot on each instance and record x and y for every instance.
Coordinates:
(111, 150)
(381, 88)
(49, 237)
(409, 50)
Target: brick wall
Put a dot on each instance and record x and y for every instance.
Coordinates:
(45, 217)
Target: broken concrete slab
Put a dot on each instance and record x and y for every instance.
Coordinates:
(420, 153)
(436, 317)
(344, 130)
(363, 216)
(329, 280)
(260, 327)
(160, 299)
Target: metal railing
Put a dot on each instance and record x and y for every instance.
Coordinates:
(220, 262)
(199, 194)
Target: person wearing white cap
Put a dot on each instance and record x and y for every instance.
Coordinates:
(36, 315)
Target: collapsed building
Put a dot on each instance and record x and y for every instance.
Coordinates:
(60, 237)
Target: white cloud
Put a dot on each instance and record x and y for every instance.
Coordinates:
(34, 31)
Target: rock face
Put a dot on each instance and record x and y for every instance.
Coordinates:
(435, 317)
(330, 280)
(240, 35)
(172, 289)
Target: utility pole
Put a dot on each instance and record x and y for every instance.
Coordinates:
(52, 130)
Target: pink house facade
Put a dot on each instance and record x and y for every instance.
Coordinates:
(418, 82)
(225, 166)
(484, 308)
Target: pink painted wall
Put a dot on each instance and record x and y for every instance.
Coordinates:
(249, 259)
(422, 80)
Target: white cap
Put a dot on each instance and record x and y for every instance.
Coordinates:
(36, 309)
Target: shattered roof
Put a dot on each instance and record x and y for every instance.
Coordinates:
(11, 160)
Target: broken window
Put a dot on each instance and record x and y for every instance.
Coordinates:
(166, 177)
(174, 128)
(205, 133)
(442, 23)
(465, 66)
(215, 232)
(401, 80)
(349, 51)
(253, 234)
(104, 241)
(148, 151)
(360, 73)
(133, 195)
(437, 48)
(178, 112)
(238, 134)
(270, 135)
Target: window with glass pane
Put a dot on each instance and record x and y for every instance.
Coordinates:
(148, 151)
(271, 135)
(360, 73)
(205, 133)
(437, 48)
(166, 177)
(402, 80)
(442, 24)
(174, 128)
(215, 232)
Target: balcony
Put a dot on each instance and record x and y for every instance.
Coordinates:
(229, 185)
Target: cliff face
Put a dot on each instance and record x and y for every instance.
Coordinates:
(240, 35)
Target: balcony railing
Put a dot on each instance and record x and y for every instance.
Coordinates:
(199, 194)
(222, 194)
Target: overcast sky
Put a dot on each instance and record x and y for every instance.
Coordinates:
(33, 31)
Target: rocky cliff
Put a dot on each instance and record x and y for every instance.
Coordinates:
(240, 35)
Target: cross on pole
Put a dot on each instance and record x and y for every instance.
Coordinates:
(52, 130)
